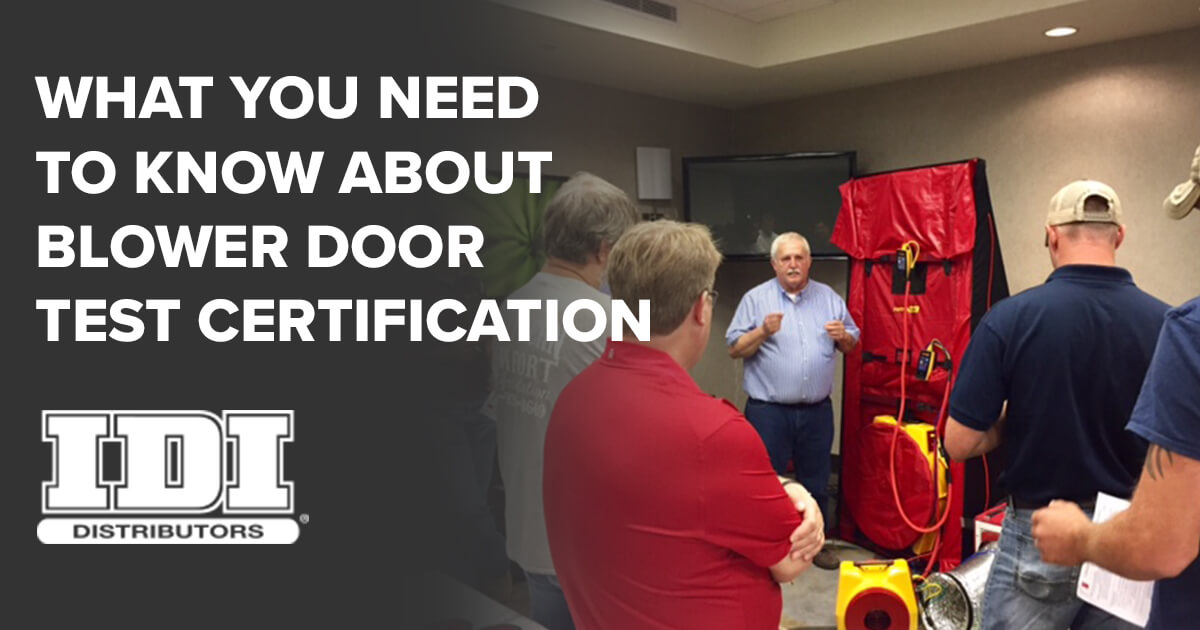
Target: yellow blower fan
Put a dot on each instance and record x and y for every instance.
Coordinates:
(925, 437)
(876, 595)
(899, 465)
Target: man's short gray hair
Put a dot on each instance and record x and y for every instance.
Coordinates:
(586, 213)
(788, 236)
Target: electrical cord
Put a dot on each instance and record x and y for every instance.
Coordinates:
(911, 251)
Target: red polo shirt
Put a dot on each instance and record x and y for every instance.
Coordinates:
(661, 506)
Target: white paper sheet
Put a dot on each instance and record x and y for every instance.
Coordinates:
(1127, 599)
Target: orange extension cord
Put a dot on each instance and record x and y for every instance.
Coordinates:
(912, 250)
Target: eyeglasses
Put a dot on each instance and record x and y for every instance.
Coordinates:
(712, 293)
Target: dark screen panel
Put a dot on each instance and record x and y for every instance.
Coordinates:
(746, 200)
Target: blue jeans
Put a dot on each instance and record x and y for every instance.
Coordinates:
(548, 601)
(802, 435)
(1024, 593)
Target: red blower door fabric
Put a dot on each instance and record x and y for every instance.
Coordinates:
(935, 207)
(874, 499)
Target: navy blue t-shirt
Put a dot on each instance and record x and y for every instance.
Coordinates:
(1069, 356)
(1168, 414)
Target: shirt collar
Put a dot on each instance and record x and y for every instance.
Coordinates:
(1091, 273)
(635, 356)
(799, 294)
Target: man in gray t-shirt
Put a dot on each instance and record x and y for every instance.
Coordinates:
(581, 224)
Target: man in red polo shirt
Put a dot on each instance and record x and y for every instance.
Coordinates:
(662, 508)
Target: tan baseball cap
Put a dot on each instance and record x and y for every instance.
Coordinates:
(1067, 205)
(1186, 195)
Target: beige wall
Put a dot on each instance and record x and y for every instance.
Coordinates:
(598, 130)
(1126, 113)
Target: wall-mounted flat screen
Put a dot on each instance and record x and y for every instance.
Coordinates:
(748, 200)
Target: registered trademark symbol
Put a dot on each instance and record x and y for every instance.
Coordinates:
(303, 519)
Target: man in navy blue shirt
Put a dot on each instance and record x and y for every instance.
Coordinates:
(1158, 537)
(788, 330)
(1054, 371)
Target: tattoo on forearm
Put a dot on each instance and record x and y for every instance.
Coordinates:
(1154, 461)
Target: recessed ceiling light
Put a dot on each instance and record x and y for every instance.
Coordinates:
(1061, 31)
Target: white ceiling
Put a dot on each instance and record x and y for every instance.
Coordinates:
(763, 10)
(736, 53)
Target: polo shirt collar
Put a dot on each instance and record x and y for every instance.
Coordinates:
(1091, 273)
(635, 356)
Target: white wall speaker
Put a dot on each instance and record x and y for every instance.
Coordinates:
(653, 173)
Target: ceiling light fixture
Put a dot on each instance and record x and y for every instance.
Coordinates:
(1061, 31)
